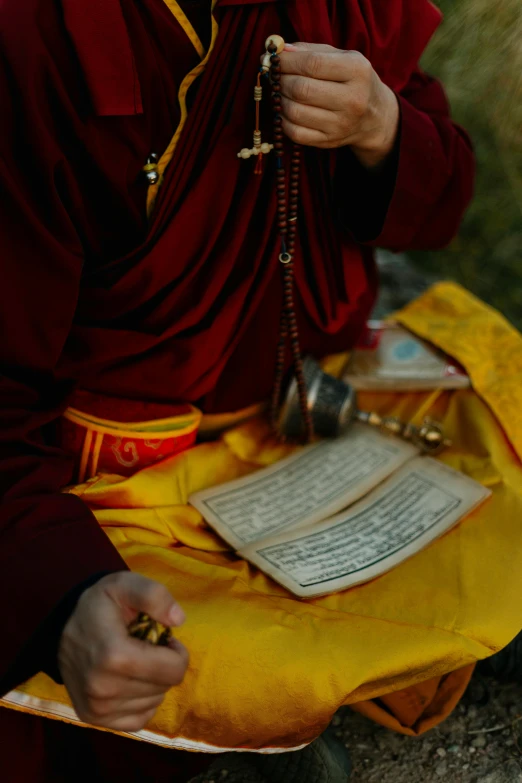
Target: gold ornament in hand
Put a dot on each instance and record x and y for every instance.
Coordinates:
(149, 630)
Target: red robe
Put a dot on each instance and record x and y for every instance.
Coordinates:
(184, 308)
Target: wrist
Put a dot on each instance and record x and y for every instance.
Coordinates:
(373, 151)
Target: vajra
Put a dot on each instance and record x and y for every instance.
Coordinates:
(149, 630)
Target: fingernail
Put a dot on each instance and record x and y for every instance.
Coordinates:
(176, 616)
(290, 48)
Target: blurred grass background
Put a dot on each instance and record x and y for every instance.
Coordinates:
(477, 52)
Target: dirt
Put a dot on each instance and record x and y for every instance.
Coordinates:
(481, 742)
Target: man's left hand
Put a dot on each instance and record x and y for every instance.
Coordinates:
(334, 98)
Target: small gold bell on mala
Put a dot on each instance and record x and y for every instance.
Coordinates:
(151, 169)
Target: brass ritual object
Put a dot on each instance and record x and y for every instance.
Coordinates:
(149, 630)
(333, 405)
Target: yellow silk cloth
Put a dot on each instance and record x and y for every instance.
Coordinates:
(268, 670)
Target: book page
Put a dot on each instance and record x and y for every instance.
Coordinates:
(304, 488)
(419, 503)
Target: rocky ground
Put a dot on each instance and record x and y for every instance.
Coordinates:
(480, 743)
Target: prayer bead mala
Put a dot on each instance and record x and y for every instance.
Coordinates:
(287, 215)
(334, 403)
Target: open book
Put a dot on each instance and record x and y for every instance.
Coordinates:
(285, 519)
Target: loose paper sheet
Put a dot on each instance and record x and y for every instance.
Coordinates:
(419, 503)
(302, 489)
(391, 357)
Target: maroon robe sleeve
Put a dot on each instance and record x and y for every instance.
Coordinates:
(49, 541)
(417, 201)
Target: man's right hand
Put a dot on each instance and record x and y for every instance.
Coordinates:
(116, 681)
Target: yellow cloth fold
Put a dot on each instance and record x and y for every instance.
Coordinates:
(268, 670)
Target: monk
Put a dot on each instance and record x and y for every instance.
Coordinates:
(157, 292)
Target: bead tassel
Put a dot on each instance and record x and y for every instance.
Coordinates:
(258, 93)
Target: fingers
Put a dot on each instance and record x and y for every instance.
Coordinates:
(140, 594)
(308, 116)
(131, 722)
(305, 47)
(128, 684)
(114, 680)
(302, 46)
(107, 711)
(307, 137)
(163, 666)
(324, 63)
(133, 659)
(314, 92)
(112, 686)
(308, 125)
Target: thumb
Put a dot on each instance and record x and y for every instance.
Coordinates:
(301, 46)
(136, 593)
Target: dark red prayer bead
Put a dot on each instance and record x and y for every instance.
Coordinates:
(288, 327)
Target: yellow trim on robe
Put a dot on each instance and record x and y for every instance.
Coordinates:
(172, 427)
(186, 24)
(267, 670)
(182, 96)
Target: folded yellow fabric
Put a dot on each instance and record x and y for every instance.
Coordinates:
(268, 670)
